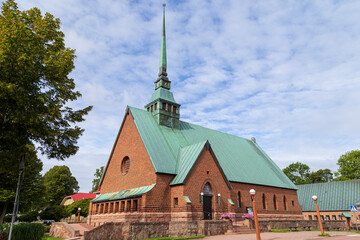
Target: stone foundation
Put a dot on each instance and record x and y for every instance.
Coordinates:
(63, 230)
(267, 225)
(141, 230)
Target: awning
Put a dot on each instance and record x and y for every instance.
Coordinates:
(346, 214)
(230, 201)
(131, 193)
(187, 199)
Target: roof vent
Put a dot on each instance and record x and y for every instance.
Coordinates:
(253, 139)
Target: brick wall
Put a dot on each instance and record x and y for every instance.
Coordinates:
(141, 172)
(292, 210)
(206, 170)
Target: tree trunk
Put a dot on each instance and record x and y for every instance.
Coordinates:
(3, 212)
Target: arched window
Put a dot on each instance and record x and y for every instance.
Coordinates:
(239, 199)
(274, 200)
(285, 207)
(207, 189)
(125, 165)
(264, 201)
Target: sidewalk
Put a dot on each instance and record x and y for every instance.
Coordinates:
(301, 235)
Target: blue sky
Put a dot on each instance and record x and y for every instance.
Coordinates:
(284, 72)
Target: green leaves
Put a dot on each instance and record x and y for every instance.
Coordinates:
(59, 183)
(34, 83)
(96, 181)
(300, 173)
(349, 166)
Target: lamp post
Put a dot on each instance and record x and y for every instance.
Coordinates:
(202, 197)
(318, 214)
(252, 194)
(79, 209)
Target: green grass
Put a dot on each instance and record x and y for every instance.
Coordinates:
(280, 230)
(175, 238)
(46, 237)
(324, 235)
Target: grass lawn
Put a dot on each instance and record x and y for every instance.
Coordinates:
(46, 237)
(175, 238)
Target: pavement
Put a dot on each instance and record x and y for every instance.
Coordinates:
(301, 235)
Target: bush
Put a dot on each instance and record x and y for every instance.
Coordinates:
(28, 231)
(28, 217)
(83, 204)
(54, 213)
(4, 231)
(47, 228)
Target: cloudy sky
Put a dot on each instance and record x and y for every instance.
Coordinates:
(285, 72)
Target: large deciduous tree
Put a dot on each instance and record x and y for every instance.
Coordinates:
(297, 173)
(349, 166)
(321, 175)
(96, 181)
(34, 93)
(32, 188)
(59, 183)
(34, 84)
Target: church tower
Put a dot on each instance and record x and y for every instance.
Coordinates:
(162, 105)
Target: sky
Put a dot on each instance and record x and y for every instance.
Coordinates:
(284, 72)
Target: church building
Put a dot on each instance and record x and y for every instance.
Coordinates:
(164, 169)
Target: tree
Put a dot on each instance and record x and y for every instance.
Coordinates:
(349, 166)
(59, 183)
(83, 204)
(34, 84)
(31, 189)
(55, 212)
(321, 175)
(98, 174)
(297, 172)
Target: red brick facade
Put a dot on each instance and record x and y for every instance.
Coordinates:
(167, 203)
(141, 172)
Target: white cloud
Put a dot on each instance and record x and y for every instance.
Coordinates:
(284, 72)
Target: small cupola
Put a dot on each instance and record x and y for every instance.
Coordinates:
(162, 105)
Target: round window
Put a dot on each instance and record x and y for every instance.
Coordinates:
(125, 165)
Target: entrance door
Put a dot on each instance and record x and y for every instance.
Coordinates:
(207, 203)
(207, 207)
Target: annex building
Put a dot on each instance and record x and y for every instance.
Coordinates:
(334, 200)
(164, 169)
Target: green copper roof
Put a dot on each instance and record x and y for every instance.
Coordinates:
(164, 94)
(346, 214)
(136, 192)
(185, 161)
(230, 201)
(187, 199)
(163, 64)
(240, 159)
(332, 196)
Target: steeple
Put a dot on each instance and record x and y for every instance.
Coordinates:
(162, 105)
(162, 80)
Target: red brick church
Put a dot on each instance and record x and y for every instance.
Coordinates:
(165, 169)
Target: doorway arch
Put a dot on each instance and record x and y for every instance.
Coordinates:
(207, 194)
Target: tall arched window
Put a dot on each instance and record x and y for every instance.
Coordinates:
(239, 199)
(274, 200)
(285, 207)
(264, 201)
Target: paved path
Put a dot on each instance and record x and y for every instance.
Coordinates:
(302, 235)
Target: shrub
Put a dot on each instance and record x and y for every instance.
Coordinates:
(4, 231)
(28, 231)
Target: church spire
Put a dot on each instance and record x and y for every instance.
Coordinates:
(162, 65)
(162, 105)
(162, 80)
